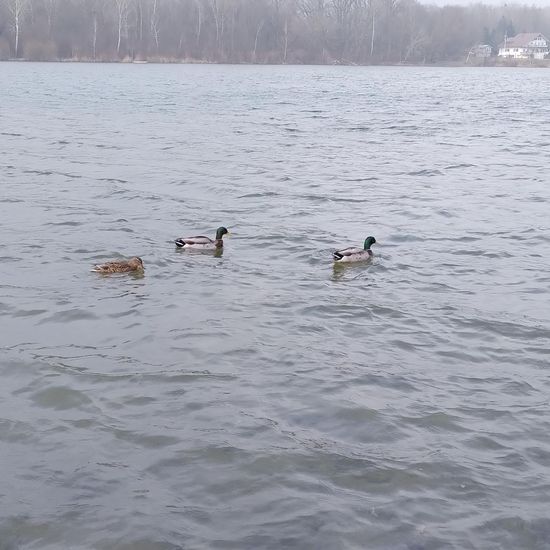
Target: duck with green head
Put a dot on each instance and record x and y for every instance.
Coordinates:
(203, 243)
(355, 254)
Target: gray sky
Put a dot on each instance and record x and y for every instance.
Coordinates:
(545, 3)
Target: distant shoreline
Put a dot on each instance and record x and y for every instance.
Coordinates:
(516, 63)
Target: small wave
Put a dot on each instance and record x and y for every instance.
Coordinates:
(10, 259)
(69, 316)
(122, 229)
(103, 146)
(405, 237)
(113, 180)
(438, 421)
(399, 127)
(259, 195)
(368, 178)
(38, 172)
(11, 200)
(70, 224)
(50, 172)
(426, 172)
(28, 312)
(446, 213)
(461, 165)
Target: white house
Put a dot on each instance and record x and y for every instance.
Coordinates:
(481, 50)
(527, 45)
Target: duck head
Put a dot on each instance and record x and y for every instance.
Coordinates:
(220, 233)
(369, 241)
(136, 263)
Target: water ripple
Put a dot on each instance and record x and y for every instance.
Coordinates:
(262, 398)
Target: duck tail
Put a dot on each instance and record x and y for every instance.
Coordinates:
(180, 243)
(337, 256)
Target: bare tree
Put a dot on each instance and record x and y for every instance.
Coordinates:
(285, 49)
(373, 12)
(258, 30)
(198, 4)
(95, 11)
(214, 6)
(94, 35)
(17, 10)
(122, 21)
(155, 23)
(50, 6)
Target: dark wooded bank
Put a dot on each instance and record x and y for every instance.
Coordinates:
(257, 31)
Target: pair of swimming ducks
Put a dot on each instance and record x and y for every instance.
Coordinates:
(346, 255)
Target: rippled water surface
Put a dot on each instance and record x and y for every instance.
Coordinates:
(263, 399)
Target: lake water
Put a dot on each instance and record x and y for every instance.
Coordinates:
(263, 399)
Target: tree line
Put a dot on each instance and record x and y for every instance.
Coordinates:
(257, 31)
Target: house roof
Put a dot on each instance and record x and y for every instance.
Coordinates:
(521, 40)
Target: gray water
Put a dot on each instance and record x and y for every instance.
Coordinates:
(263, 399)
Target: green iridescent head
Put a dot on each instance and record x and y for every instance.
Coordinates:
(221, 232)
(369, 241)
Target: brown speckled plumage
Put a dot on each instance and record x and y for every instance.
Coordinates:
(120, 266)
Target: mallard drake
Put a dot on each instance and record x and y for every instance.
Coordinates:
(119, 266)
(355, 254)
(203, 243)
